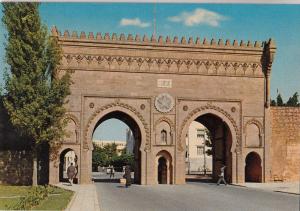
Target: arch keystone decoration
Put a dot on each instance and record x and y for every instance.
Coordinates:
(117, 103)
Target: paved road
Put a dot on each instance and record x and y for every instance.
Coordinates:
(192, 196)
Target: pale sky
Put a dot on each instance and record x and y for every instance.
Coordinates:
(225, 21)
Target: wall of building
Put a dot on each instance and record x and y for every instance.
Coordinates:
(285, 145)
(195, 160)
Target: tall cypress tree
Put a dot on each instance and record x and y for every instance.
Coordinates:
(293, 101)
(279, 100)
(35, 94)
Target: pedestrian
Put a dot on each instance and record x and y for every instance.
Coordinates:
(127, 176)
(221, 176)
(112, 172)
(71, 172)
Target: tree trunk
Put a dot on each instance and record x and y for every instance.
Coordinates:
(35, 170)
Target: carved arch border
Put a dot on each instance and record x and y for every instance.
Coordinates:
(207, 108)
(166, 119)
(77, 124)
(117, 103)
(257, 123)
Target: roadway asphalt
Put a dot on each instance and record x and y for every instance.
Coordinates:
(192, 196)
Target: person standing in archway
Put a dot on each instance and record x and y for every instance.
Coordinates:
(71, 172)
(221, 176)
(127, 176)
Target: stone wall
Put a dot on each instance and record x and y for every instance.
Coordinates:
(285, 146)
(15, 155)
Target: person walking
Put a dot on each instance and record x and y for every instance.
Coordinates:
(221, 176)
(71, 172)
(112, 172)
(127, 176)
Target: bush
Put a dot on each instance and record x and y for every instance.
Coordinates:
(34, 196)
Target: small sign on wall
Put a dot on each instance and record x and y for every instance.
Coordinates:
(164, 83)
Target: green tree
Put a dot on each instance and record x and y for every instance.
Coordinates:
(273, 103)
(35, 94)
(208, 143)
(293, 101)
(279, 101)
(111, 151)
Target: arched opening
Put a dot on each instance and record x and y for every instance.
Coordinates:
(162, 171)
(253, 169)
(122, 135)
(164, 167)
(67, 157)
(208, 140)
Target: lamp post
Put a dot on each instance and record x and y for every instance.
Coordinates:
(204, 157)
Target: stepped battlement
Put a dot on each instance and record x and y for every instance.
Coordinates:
(161, 41)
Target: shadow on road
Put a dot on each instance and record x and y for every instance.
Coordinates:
(107, 180)
(199, 180)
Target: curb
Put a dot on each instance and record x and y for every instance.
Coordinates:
(279, 191)
(276, 191)
(71, 201)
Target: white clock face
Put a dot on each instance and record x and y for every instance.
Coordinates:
(164, 102)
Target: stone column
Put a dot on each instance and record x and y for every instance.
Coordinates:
(86, 166)
(179, 167)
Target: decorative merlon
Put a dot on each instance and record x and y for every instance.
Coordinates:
(161, 41)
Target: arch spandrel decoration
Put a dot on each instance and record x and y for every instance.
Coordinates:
(219, 110)
(116, 104)
(73, 118)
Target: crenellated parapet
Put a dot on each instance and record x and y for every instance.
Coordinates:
(194, 42)
(112, 52)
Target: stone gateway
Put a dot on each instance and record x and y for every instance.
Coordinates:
(158, 87)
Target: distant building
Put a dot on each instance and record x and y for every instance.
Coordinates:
(121, 145)
(197, 161)
(129, 141)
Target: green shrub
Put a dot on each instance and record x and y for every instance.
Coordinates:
(34, 196)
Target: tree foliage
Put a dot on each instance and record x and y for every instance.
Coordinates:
(35, 93)
(292, 101)
(279, 101)
(108, 155)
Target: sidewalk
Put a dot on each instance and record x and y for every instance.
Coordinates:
(284, 187)
(85, 197)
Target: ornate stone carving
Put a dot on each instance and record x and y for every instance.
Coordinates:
(208, 107)
(117, 103)
(233, 109)
(166, 119)
(91, 105)
(185, 108)
(164, 102)
(142, 107)
(182, 66)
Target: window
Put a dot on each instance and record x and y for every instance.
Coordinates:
(200, 133)
(163, 136)
(199, 150)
